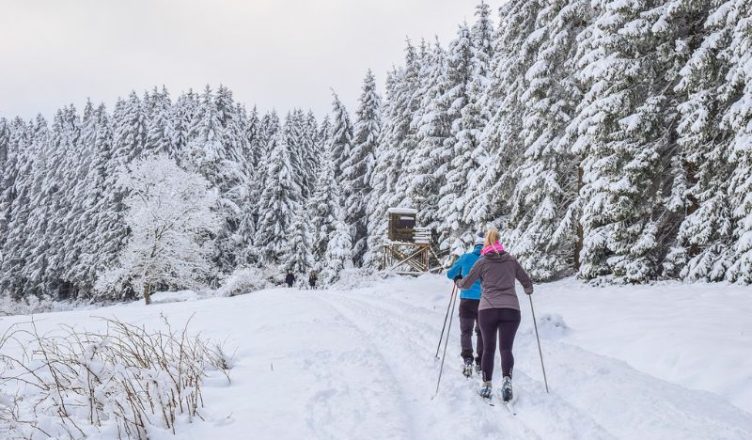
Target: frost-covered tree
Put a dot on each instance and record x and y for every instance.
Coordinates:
(172, 219)
(491, 186)
(358, 166)
(160, 133)
(397, 143)
(426, 163)
(299, 258)
(15, 202)
(338, 255)
(622, 135)
(280, 201)
(322, 208)
(738, 119)
(214, 150)
(340, 141)
(543, 216)
(471, 83)
(129, 128)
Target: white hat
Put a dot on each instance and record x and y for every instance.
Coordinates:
(480, 239)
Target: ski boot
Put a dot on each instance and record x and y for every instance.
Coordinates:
(467, 370)
(506, 389)
(486, 389)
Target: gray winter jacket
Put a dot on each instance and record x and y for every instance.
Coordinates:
(497, 273)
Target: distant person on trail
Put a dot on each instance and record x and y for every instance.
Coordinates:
(469, 301)
(290, 279)
(499, 309)
(312, 278)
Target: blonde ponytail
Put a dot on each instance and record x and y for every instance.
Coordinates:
(492, 236)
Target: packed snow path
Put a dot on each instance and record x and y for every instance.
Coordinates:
(346, 364)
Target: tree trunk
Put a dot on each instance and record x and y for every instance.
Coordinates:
(147, 294)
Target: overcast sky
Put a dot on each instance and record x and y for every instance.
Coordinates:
(273, 53)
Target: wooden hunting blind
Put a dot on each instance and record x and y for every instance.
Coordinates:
(402, 224)
(409, 249)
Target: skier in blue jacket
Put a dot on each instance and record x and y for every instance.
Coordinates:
(469, 301)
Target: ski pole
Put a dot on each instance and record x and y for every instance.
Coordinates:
(540, 352)
(446, 342)
(454, 291)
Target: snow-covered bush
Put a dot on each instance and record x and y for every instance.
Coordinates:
(245, 280)
(120, 383)
(358, 277)
(31, 304)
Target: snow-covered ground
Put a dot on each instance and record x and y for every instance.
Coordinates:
(662, 362)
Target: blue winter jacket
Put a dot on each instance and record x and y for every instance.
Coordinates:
(462, 267)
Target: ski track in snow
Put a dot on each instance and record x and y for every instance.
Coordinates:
(359, 364)
(593, 396)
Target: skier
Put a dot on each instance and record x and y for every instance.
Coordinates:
(290, 279)
(469, 300)
(312, 278)
(499, 308)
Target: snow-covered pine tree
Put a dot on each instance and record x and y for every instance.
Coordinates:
(312, 147)
(338, 254)
(340, 136)
(4, 139)
(160, 133)
(108, 232)
(15, 201)
(427, 162)
(465, 139)
(357, 168)
(129, 128)
(299, 258)
(79, 218)
(214, 151)
(249, 212)
(183, 114)
(700, 167)
(322, 206)
(9, 168)
(171, 215)
(397, 143)
(58, 198)
(738, 120)
(279, 202)
(624, 138)
(500, 151)
(543, 210)
(331, 241)
(295, 136)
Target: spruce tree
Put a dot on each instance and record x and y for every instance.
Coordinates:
(357, 168)
(340, 136)
(279, 202)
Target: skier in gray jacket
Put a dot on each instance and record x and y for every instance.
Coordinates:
(499, 309)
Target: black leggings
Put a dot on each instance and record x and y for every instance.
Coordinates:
(504, 322)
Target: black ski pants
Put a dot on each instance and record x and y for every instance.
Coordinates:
(504, 323)
(468, 323)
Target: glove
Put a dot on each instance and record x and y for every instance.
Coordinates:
(457, 278)
(529, 291)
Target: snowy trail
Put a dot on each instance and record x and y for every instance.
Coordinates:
(596, 387)
(344, 364)
(413, 355)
